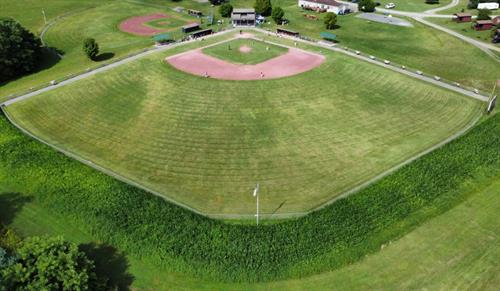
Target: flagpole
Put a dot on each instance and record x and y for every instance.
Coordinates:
(256, 195)
(257, 204)
(44, 17)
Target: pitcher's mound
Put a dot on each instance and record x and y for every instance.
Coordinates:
(294, 62)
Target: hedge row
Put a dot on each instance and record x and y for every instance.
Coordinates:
(149, 227)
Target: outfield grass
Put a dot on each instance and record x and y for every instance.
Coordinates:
(205, 143)
(260, 51)
(171, 23)
(29, 12)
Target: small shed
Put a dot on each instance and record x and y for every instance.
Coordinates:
(496, 20)
(328, 36)
(202, 33)
(287, 32)
(483, 24)
(162, 38)
(462, 17)
(243, 17)
(196, 13)
(190, 27)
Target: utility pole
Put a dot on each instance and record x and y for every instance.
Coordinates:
(256, 195)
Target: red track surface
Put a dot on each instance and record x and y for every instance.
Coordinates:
(135, 25)
(294, 62)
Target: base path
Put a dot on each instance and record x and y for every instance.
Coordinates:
(135, 25)
(294, 62)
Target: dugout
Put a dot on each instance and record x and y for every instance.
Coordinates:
(201, 33)
(287, 32)
(191, 27)
(196, 13)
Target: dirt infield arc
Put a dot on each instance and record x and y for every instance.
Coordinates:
(294, 62)
(135, 25)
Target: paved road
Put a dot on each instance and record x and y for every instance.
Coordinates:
(451, 5)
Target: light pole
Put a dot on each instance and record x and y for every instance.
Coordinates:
(256, 195)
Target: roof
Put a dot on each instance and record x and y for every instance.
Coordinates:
(286, 30)
(191, 25)
(482, 22)
(325, 2)
(328, 35)
(243, 16)
(202, 31)
(461, 14)
(160, 37)
(243, 10)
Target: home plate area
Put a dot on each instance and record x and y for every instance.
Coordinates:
(293, 62)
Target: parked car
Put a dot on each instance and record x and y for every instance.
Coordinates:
(390, 5)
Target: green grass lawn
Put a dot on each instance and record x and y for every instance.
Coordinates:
(462, 6)
(465, 29)
(206, 143)
(259, 51)
(67, 34)
(413, 5)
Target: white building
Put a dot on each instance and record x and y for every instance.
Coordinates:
(489, 5)
(324, 5)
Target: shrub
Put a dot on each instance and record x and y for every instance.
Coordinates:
(20, 50)
(263, 7)
(432, 1)
(330, 20)
(225, 10)
(278, 15)
(49, 264)
(91, 48)
(483, 14)
(472, 4)
(366, 5)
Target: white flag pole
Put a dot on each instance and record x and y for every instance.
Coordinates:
(44, 17)
(256, 195)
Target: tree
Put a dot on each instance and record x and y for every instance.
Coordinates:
(330, 20)
(366, 5)
(225, 10)
(472, 4)
(49, 264)
(483, 14)
(91, 48)
(278, 14)
(263, 7)
(20, 50)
